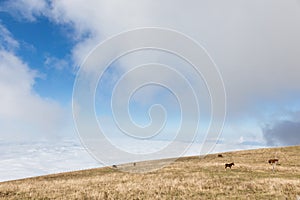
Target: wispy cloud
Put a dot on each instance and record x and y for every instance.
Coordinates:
(7, 41)
(57, 63)
(24, 9)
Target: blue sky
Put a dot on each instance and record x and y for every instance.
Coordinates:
(43, 40)
(254, 44)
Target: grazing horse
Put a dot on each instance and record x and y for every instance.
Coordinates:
(220, 155)
(273, 161)
(228, 165)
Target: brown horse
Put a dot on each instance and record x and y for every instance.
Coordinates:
(273, 161)
(229, 165)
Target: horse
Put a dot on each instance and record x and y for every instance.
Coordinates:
(220, 155)
(229, 165)
(273, 161)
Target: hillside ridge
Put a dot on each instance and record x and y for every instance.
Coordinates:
(191, 177)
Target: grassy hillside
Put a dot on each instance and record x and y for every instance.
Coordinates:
(187, 178)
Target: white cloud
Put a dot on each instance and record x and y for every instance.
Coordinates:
(25, 9)
(56, 63)
(28, 159)
(23, 113)
(41, 158)
(245, 38)
(6, 39)
(254, 43)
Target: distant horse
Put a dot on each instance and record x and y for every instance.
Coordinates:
(273, 161)
(114, 166)
(229, 165)
(220, 155)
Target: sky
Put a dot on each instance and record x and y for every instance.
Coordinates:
(254, 45)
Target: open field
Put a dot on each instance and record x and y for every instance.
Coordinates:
(187, 178)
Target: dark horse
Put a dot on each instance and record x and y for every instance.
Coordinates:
(229, 165)
(273, 161)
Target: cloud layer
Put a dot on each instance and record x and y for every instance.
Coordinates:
(284, 131)
(254, 43)
(23, 113)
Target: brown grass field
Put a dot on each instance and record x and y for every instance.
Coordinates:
(187, 178)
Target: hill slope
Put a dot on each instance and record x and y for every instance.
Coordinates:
(187, 178)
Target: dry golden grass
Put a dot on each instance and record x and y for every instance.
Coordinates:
(187, 178)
